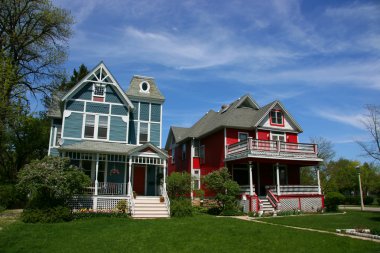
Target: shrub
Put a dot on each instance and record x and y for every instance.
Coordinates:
(332, 200)
(90, 213)
(178, 185)
(122, 206)
(51, 182)
(224, 187)
(48, 215)
(181, 208)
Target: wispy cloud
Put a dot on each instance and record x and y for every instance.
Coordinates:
(354, 120)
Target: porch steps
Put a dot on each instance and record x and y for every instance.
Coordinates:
(150, 207)
(266, 205)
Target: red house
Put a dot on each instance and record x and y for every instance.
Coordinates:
(259, 146)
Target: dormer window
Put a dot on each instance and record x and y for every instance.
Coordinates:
(144, 87)
(98, 93)
(276, 118)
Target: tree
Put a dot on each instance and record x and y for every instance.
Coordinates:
(326, 153)
(220, 182)
(371, 122)
(74, 78)
(33, 35)
(51, 182)
(325, 148)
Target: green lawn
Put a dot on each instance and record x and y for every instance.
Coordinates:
(351, 219)
(195, 234)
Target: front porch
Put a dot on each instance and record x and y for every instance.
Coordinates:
(115, 177)
(276, 184)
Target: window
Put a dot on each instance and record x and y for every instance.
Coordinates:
(202, 154)
(196, 148)
(196, 179)
(58, 135)
(276, 118)
(278, 136)
(102, 171)
(143, 133)
(144, 87)
(89, 127)
(96, 127)
(242, 136)
(99, 90)
(184, 151)
(283, 173)
(102, 127)
(86, 167)
(173, 154)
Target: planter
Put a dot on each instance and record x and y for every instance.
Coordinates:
(162, 199)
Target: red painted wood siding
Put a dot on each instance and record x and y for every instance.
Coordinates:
(232, 135)
(291, 137)
(179, 164)
(263, 135)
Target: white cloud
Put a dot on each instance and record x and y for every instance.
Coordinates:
(354, 120)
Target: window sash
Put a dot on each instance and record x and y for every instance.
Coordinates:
(143, 133)
(243, 136)
(99, 90)
(277, 117)
(202, 154)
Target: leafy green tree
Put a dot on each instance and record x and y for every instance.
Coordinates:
(51, 182)
(220, 182)
(178, 185)
(342, 176)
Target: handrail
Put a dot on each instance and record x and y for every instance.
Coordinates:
(166, 197)
(294, 189)
(272, 199)
(105, 188)
(131, 200)
(274, 147)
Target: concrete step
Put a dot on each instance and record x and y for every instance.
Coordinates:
(153, 209)
(148, 216)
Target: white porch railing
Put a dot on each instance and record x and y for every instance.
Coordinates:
(246, 189)
(106, 188)
(265, 148)
(294, 189)
(164, 193)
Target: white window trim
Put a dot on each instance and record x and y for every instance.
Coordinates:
(141, 89)
(101, 85)
(55, 136)
(96, 125)
(246, 133)
(196, 177)
(277, 134)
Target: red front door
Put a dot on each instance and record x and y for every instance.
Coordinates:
(139, 179)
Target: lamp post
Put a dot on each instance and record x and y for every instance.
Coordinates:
(360, 187)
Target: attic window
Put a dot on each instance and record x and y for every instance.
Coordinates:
(144, 87)
(98, 92)
(276, 118)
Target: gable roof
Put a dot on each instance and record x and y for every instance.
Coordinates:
(160, 152)
(153, 94)
(243, 113)
(270, 107)
(92, 76)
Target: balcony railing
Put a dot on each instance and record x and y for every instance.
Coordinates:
(265, 148)
(294, 189)
(245, 189)
(107, 188)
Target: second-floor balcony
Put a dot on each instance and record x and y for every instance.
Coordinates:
(272, 150)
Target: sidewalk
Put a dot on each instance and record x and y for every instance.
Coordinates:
(366, 208)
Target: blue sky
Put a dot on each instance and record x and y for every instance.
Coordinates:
(320, 58)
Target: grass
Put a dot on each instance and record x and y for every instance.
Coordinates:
(201, 233)
(350, 219)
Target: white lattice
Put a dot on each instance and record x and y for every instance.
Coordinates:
(311, 204)
(254, 205)
(289, 204)
(108, 203)
(79, 202)
(245, 205)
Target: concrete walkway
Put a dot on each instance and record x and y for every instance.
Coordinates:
(305, 229)
(357, 208)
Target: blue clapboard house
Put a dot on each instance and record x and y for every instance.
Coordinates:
(115, 137)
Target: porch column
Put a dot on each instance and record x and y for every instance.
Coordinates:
(164, 185)
(319, 181)
(129, 176)
(250, 180)
(96, 173)
(278, 179)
